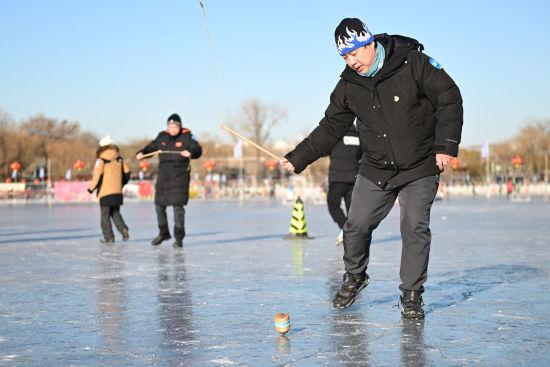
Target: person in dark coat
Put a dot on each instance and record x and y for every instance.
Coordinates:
(342, 172)
(177, 147)
(411, 124)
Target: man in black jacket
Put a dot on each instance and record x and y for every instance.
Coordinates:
(411, 122)
(342, 172)
(177, 147)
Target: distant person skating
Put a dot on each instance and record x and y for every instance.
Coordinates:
(109, 176)
(342, 173)
(172, 187)
(509, 188)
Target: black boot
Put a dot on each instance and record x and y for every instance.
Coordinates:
(125, 234)
(161, 237)
(411, 305)
(107, 240)
(353, 284)
(164, 235)
(179, 233)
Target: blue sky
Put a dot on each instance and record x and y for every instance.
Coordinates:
(121, 67)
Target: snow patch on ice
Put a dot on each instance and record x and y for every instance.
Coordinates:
(224, 361)
(217, 347)
(9, 357)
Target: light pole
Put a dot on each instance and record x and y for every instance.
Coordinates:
(546, 176)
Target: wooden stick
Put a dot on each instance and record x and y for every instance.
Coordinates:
(150, 154)
(250, 142)
(170, 151)
(160, 152)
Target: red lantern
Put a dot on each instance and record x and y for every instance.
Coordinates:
(517, 161)
(15, 166)
(455, 163)
(209, 165)
(78, 165)
(271, 164)
(144, 165)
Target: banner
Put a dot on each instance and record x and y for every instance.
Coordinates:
(238, 149)
(12, 187)
(72, 192)
(485, 150)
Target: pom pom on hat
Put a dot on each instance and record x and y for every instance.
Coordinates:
(106, 140)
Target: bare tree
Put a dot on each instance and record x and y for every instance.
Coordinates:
(6, 135)
(5, 119)
(532, 143)
(38, 138)
(257, 120)
(471, 159)
(52, 129)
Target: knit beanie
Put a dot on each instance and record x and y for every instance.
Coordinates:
(174, 119)
(351, 34)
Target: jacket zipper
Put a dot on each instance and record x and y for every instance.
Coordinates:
(393, 162)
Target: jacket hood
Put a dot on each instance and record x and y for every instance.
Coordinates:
(396, 45)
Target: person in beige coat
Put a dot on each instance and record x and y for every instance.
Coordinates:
(110, 175)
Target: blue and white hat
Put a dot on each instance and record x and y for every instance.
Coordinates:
(350, 34)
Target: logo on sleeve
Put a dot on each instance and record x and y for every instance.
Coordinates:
(434, 63)
(179, 144)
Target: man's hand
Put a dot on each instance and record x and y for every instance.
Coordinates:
(443, 160)
(287, 165)
(139, 156)
(186, 153)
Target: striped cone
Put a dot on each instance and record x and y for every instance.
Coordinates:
(298, 224)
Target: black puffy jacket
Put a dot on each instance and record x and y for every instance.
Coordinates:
(344, 158)
(172, 187)
(410, 110)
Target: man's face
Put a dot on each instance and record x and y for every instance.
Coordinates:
(361, 58)
(173, 129)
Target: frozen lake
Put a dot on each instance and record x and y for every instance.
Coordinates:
(66, 299)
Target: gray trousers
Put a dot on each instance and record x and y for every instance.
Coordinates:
(370, 204)
(108, 212)
(179, 220)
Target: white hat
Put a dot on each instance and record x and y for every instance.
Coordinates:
(106, 140)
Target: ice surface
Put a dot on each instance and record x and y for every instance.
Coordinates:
(66, 299)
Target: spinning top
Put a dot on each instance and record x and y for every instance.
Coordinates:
(282, 323)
